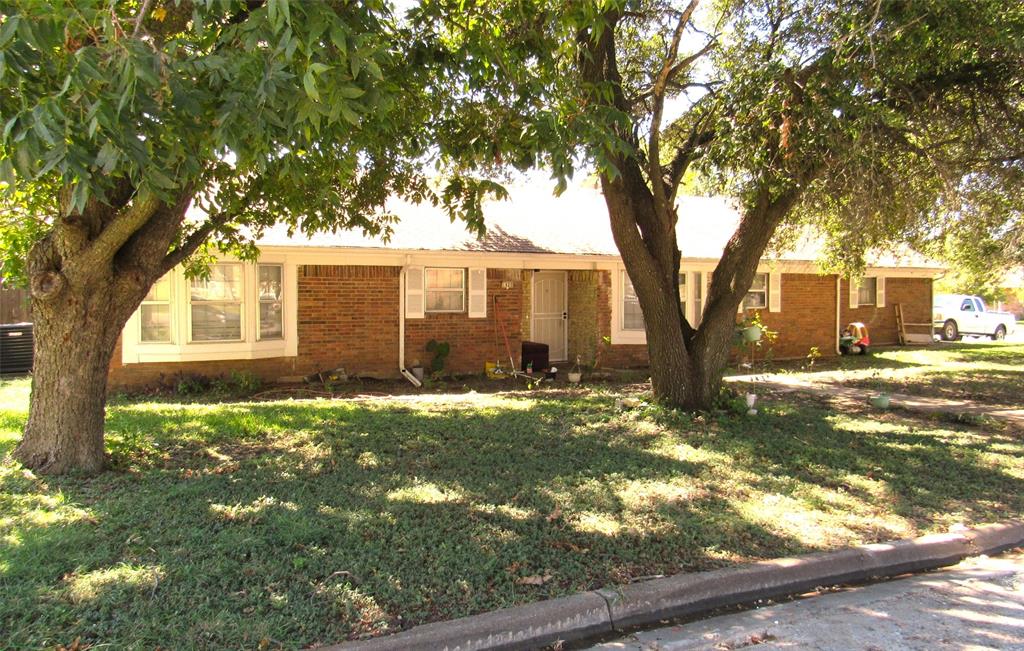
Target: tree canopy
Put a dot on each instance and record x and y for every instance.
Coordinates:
(308, 113)
(867, 119)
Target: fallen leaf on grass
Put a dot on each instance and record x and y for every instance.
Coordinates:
(554, 515)
(534, 579)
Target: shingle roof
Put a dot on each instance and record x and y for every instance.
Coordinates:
(533, 220)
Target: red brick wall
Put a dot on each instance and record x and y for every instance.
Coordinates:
(617, 355)
(914, 294)
(473, 341)
(807, 317)
(348, 317)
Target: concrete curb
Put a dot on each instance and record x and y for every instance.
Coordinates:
(523, 627)
(595, 613)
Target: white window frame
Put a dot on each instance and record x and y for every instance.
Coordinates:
(765, 292)
(170, 310)
(241, 303)
(260, 301)
(447, 290)
(180, 349)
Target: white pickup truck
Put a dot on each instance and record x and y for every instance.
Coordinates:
(956, 315)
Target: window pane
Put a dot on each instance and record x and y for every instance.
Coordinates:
(160, 291)
(224, 284)
(444, 301)
(866, 291)
(760, 282)
(755, 299)
(216, 322)
(270, 282)
(444, 278)
(632, 315)
(271, 322)
(156, 322)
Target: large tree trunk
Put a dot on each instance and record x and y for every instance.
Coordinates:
(75, 335)
(686, 363)
(87, 277)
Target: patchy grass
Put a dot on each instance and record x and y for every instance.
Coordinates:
(991, 373)
(303, 522)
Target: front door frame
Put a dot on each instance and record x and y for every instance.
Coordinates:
(565, 308)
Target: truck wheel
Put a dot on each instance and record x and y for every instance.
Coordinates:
(1000, 333)
(949, 331)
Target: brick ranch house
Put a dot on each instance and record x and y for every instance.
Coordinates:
(546, 271)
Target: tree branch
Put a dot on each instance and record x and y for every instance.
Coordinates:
(143, 10)
(104, 247)
(658, 106)
(192, 242)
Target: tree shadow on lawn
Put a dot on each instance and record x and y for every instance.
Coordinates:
(309, 522)
(988, 386)
(926, 468)
(993, 352)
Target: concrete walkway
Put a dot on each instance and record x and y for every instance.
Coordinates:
(913, 403)
(978, 604)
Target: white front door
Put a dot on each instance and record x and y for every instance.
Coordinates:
(550, 312)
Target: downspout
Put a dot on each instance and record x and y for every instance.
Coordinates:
(839, 324)
(401, 332)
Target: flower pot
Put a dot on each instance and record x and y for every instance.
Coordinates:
(751, 334)
(751, 399)
(575, 377)
(880, 401)
(417, 372)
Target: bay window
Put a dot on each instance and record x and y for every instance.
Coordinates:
(239, 310)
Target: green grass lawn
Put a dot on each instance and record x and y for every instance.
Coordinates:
(298, 522)
(991, 373)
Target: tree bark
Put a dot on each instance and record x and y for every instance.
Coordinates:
(686, 363)
(75, 335)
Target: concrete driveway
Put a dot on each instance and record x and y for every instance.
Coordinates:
(978, 604)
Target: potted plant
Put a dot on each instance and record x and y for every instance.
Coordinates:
(575, 375)
(881, 398)
(750, 330)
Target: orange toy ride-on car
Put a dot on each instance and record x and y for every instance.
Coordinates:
(855, 339)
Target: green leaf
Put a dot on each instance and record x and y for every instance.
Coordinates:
(107, 158)
(8, 29)
(338, 38)
(350, 116)
(159, 179)
(310, 86)
(7, 172)
(350, 92)
(374, 69)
